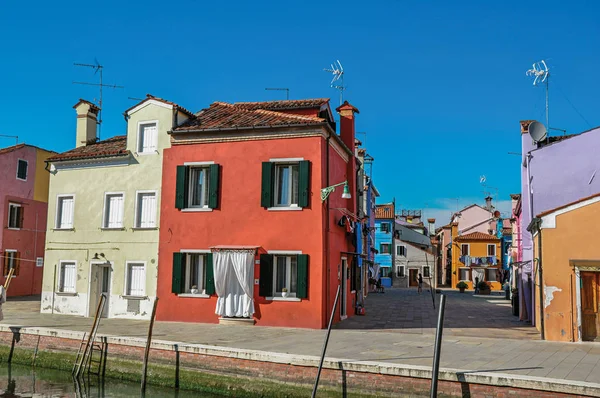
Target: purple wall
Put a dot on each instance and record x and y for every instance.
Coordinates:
(560, 173)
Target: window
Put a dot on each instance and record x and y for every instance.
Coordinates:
(193, 271)
(113, 210)
(285, 184)
(491, 275)
(136, 279)
(64, 212)
(15, 216)
(463, 274)
(39, 262)
(491, 249)
(11, 260)
(68, 276)
(385, 248)
(22, 170)
(426, 272)
(279, 272)
(147, 138)
(385, 227)
(464, 249)
(197, 187)
(146, 210)
(401, 251)
(400, 271)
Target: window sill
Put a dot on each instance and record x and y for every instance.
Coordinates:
(155, 152)
(113, 229)
(134, 297)
(63, 229)
(196, 209)
(21, 179)
(197, 295)
(283, 299)
(144, 228)
(282, 208)
(13, 228)
(66, 294)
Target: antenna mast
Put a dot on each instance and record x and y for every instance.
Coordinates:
(287, 91)
(16, 137)
(541, 72)
(98, 68)
(338, 76)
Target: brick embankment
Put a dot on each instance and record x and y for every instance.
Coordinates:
(260, 373)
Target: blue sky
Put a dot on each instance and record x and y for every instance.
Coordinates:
(441, 86)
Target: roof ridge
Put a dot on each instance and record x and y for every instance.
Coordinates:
(268, 112)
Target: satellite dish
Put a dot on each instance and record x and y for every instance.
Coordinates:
(537, 131)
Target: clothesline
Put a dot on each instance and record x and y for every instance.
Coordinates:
(482, 261)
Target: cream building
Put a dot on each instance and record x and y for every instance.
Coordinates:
(103, 214)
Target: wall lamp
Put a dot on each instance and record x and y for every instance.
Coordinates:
(325, 192)
(98, 258)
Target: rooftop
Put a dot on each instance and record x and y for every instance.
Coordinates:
(545, 213)
(150, 97)
(477, 236)
(283, 105)
(384, 211)
(111, 147)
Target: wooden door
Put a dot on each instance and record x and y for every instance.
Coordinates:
(590, 298)
(412, 277)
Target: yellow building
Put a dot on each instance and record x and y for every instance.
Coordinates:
(476, 255)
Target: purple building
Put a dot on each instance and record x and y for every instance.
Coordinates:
(554, 172)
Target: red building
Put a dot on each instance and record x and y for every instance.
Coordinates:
(244, 233)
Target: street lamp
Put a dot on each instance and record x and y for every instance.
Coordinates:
(325, 192)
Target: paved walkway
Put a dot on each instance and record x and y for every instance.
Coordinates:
(480, 335)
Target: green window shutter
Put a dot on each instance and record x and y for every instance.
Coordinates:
(266, 198)
(181, 187)
(210, 275)
(302, 291)
(303, 183)
(213, 186)
(178, 263)
(265, 287)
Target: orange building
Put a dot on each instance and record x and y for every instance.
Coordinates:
(475, 255)
(567, 256)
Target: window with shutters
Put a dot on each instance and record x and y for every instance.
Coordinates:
(426, 272)
(491, 250)
(384, 248)
(15, 216)
(464, 249)
(147, 138)
(285, 184)
(136, 279)
(401, 250)
(67, 277)
(145, 209)
(385, 227)
(64, 211)
(283, 276)
(22, 170)
(193, 274)
(113, 210)
(11, 260)
(197, 186)
(400, 272)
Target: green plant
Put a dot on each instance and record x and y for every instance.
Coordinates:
(461, 285)
(284, 290)
(484, 286)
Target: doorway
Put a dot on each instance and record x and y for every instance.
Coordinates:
(344, 284)
(590, 306)
(100, 284)
(412, 277)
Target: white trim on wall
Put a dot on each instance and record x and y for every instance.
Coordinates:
(290, 252)
(203, 163)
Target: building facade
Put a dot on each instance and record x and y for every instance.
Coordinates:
(248, 233)
(103, 217)
(412, 260)
(24, 204)
(384, 242)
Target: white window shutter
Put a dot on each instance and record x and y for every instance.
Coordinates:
(115, 211)
(149, 138)
(136, 280)
(66, 215)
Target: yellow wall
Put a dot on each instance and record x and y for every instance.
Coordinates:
(42, 177)
(477, 248)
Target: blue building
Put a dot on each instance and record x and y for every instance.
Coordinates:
(384, 242)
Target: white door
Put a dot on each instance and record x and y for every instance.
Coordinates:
(344, 283)
(99, 285)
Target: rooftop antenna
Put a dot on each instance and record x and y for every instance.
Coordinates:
(482, 181)
(287, 91)
(541, 74)
(135, 99)
(16, 137)
(97, 68)
(338, 78)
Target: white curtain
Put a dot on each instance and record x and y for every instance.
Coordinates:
(477, 273)
(234, 282)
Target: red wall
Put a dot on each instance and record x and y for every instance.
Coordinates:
(29, 244)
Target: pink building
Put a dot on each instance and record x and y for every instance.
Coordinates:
(24, 204)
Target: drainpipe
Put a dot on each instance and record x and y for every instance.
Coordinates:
(327, 258)
(535, 225)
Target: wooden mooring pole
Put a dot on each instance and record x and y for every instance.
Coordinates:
(147, 351)
(438, 347)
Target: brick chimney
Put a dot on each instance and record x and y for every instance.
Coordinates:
(87, 122)
(347, 132)
(431, 222)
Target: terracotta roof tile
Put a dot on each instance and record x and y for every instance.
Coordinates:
(476, 236)
(111, 147)
(11, 148)
(283, 105)
(221, 115)
(164, 101)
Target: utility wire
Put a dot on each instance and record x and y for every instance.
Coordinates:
(573, 106)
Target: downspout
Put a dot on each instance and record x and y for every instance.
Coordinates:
(327, 225)
(543, 337)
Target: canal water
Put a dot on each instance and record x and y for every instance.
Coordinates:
(25, 382)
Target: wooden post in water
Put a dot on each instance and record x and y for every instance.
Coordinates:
(147, 351)
(438, 347)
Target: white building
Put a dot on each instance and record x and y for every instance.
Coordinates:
(410, 261)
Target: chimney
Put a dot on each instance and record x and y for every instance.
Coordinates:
(488, 203)
(347, 133)
(431, 222)
(87, 122)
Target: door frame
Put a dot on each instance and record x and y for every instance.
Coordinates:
(416, 279)
(592, 267)
(344, 292)
(106, 264)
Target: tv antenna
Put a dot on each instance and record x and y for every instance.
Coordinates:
(541, 74)
(287, 91)
(11, 136)
(482, 181)
(97, 69)
(338, 78)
